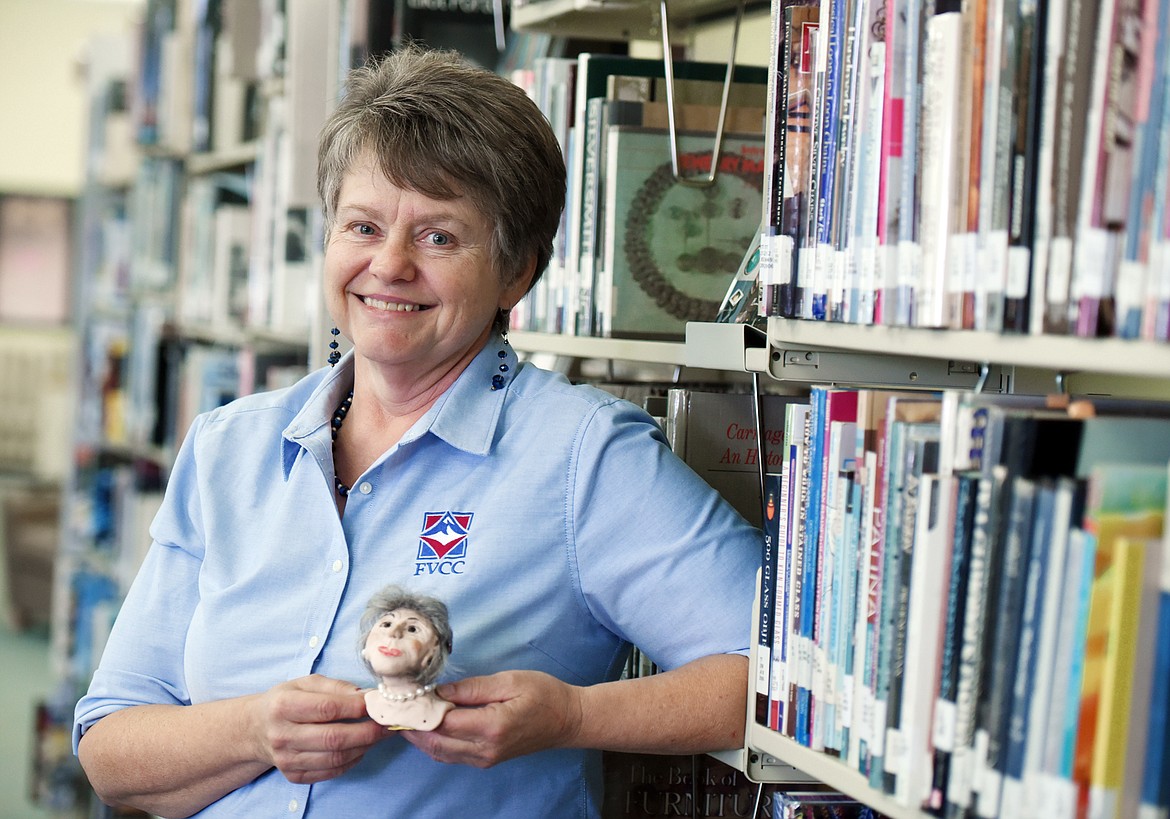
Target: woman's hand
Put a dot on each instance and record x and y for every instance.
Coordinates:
(502, 716)
(314, 728)
(174, 760)
(700, 706)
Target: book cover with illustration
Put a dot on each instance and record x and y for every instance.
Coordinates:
(672, 246)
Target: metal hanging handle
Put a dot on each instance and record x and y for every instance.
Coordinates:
(668, 65)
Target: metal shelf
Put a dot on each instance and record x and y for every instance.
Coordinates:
(826, 769)
(608, 349)
(1065, 354)
(616, 20)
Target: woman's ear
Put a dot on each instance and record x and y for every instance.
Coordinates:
(519, 287)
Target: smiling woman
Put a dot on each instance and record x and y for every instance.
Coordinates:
(551, 518)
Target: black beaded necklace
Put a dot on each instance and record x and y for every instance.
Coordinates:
(339, 419)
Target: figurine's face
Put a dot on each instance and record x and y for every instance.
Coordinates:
(400, 644)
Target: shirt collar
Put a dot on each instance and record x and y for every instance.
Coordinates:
(465, 416)
(468, 414)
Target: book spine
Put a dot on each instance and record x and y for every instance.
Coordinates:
(801, 36)
(1024, 688)
(833, 15)
(781, 628)
(940, 118)
(767, 604)
(1029, 104)
(812, 564)
(943, 729)
(801, 595)
(775, 140)
(1002, 645)
(982, 568)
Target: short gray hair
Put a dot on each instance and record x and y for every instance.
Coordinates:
(392, 598)
(439, 124)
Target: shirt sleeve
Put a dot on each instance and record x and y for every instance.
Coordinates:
(664, 561)
(142, 662)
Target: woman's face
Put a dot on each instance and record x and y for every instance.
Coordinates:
(400, 643)
(409, 279)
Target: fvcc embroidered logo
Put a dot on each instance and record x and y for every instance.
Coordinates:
(442, 544)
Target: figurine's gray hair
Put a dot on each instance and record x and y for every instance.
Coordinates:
(392, 598)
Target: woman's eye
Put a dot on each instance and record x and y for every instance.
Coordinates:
(365, 230)
(439, 239)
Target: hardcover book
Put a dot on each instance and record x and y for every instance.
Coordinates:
(715, 433)
(671, 247)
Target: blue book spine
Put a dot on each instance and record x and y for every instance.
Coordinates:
(1156, 777)
(827, 161)
(1013, 763)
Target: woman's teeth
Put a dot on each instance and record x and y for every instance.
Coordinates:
(392, 306)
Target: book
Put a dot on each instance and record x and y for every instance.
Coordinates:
(1029, 100)
(824, 161)
(671, 247)
(839, 466)
(873, 411)
(941, 92)
(795, 650)
(910, 422)
(592, 79)
(1125, 506)
(900, 255)
(1126, 768)
(983, 568)
(789, 132)
(769, 588)
(914, 447)
(739, 305)
(1050, 69)
(807, 541)
(1154, 792)
(1136, 301)
(1072, 90)
(640, 786)
(818, 805)
(943, 724)
(715, 433)
(787, 236)
(865, 173)
(1103, 206)
(1049, 684)
(1025, 689)
(1001, 643)
(927, 608)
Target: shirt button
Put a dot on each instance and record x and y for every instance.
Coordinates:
(365, 488)
(292, 806)
(313, 641)
(337, 565)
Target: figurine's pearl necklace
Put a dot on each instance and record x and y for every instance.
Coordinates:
(418, 692)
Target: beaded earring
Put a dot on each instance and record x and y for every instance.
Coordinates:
(334, 354)
(498, 378)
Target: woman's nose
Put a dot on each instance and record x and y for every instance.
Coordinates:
(392, 260)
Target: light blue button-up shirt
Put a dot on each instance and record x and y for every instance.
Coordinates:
(551, 518)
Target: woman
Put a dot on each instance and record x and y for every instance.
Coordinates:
(405, 642)
(552, 519)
